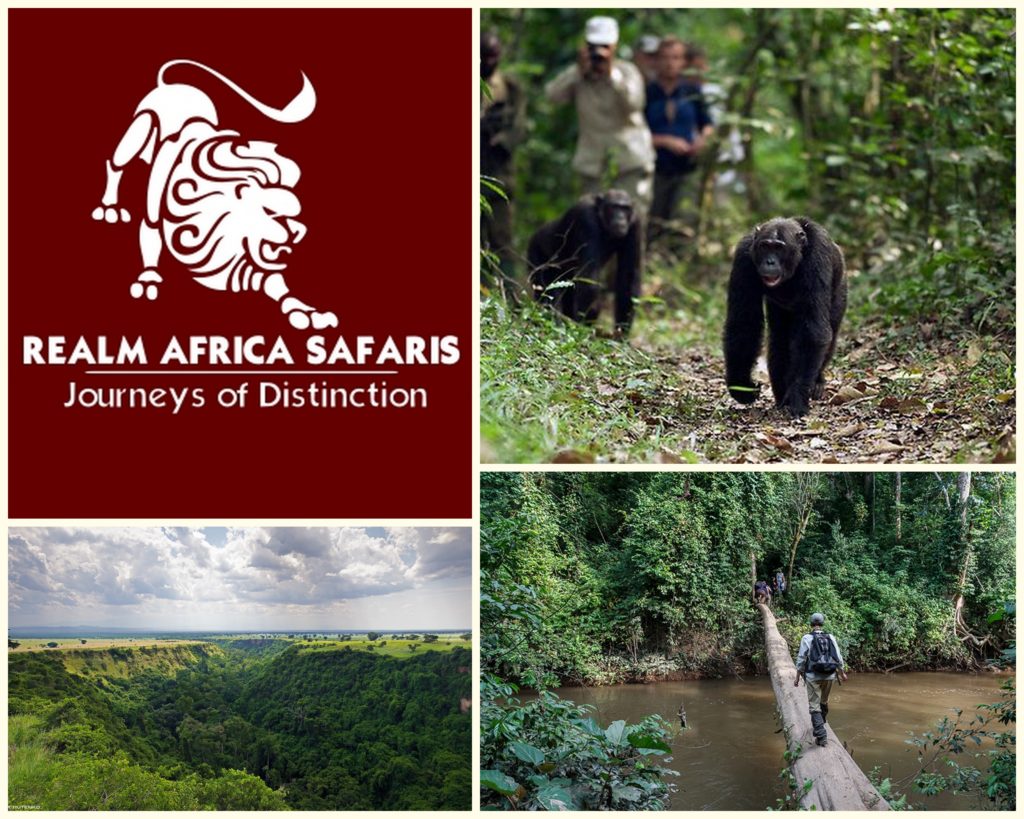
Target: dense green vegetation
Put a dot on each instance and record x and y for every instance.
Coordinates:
(552, 754)
(895, 128)
(609, 577)
(637, 574)
(249, 724)
(973, 754)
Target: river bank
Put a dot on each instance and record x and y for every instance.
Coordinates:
(652, 671)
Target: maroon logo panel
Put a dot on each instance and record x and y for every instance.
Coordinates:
(240, 265)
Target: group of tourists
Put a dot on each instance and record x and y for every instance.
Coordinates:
(643, 123)
(763, 592)
(645, 128)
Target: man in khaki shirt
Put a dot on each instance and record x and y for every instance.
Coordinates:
(609, 97)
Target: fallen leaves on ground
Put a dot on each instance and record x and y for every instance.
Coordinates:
(564, 396)
(896, 412)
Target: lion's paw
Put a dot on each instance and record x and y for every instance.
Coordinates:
(301, 316)
(303, 320)
(321, 321)
(146, 285)
(110, 215)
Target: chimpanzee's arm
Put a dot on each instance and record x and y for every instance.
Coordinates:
(627, 278)
(589, 251)
(744, 326)
(812, 337)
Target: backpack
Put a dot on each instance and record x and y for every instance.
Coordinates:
(822, 659)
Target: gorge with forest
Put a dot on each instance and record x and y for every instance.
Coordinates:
(240, 722)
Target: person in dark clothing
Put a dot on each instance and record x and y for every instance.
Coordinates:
(502, 116)
(680, 124)
(763, 592)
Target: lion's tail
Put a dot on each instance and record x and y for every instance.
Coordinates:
(298, 109)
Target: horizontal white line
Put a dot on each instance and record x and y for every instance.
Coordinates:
(241, 372)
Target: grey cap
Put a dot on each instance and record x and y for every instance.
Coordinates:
(648, 44)
(603, 31)
(817, 619)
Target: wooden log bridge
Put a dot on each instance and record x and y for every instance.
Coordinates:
(837, 782)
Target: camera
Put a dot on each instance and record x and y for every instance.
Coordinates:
(594, 51)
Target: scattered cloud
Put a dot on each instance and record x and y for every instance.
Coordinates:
(240, 578)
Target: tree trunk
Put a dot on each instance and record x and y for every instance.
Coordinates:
(945, 492)
(753, 576)
(965, 635)
(801, 527)
(963, 493)
(807, 485)
(837, 782)
(899, 508)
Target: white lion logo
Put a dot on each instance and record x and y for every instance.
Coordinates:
(223, 208)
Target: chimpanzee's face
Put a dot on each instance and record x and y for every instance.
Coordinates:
(616, 212)
(777, 250)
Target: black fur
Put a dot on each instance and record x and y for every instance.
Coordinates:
(574, 249)
(805, 306)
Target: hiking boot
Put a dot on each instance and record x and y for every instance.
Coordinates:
(824, 712)
(818, 723)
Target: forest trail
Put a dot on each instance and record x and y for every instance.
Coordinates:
(556, 392)
(837, 782)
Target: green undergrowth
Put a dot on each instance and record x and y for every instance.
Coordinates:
(551, 754)
(549, 385)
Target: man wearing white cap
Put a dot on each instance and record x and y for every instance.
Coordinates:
(609, 97)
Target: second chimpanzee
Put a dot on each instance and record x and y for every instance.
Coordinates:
(566, 257)
(794, 268)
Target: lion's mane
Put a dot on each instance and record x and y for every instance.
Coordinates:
(224, 209)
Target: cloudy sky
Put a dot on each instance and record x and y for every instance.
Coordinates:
(240, 579)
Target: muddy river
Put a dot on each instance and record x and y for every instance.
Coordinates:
(731, 755)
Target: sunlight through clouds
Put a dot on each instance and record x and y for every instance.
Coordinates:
(240, 578)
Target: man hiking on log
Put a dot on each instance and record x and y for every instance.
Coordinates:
(818, 662)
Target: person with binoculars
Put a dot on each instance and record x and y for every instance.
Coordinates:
(609, 98)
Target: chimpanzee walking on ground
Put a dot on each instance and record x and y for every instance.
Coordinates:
(566, 257)
(792, 268)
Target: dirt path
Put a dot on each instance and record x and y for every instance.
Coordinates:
(891, 412)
